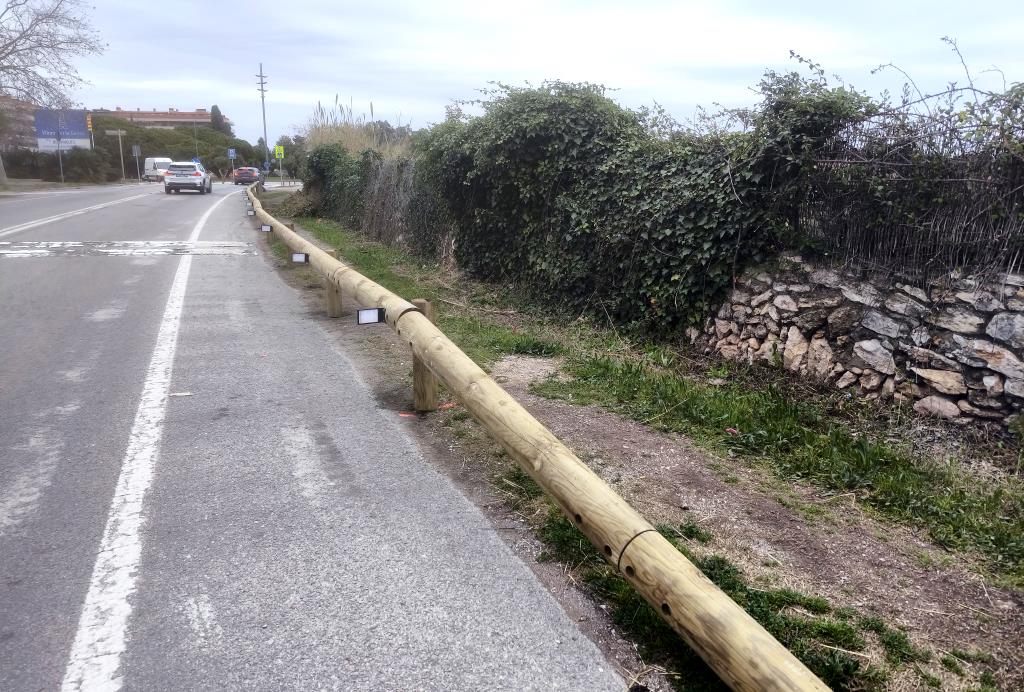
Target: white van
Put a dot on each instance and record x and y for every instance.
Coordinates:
(155, 167)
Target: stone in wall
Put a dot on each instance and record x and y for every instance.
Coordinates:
(820, 359)
(1007, 327)
(872, 353)
(844, 318)
(937, 406)
(795, 350)
(943, 381)
(957, 319)
(955, 347)
(981, 353)
(980, 300)
(904, 305)
(882, 324)
(785, 302)
(863, 293)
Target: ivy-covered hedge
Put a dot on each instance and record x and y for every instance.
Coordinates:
(562, 192)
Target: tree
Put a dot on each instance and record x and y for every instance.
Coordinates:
(262, 151)
(218, 122)
(294, 153)
(38, 39)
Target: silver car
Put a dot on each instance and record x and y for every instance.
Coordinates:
(187, 175)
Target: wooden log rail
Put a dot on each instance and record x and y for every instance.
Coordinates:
(740, 651)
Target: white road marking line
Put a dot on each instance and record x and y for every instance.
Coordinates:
(20, 498)
(307, 467)
(10, 230)
(95, 659)
(111, 311)
(79, 191)
(202, 618)
(122, 248)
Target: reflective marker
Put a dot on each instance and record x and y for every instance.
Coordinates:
(370, 316)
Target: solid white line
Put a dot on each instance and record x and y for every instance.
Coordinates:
(60, 217)
(95, 659)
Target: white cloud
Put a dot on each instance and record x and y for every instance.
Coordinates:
(414, 57)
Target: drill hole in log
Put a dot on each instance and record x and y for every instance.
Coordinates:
(630, 571)
(607, 550)
(665, 609)
(579, 519)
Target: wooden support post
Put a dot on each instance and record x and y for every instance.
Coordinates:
(333, 298)
(424, 383)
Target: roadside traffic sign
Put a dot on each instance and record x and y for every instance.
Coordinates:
(231, 154)
(136, 150)
(195, 159)
(116, 133)
(279, 152)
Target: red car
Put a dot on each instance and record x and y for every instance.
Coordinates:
(244, 176)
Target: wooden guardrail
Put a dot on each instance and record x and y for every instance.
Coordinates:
(742, 652)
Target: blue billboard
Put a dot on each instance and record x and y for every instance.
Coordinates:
(64, 125)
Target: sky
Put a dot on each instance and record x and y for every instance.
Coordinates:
(410, 59)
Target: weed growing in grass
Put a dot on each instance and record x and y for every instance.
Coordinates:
(691, 530)
(952, 665)
(898, 648)
(798, 441)
(929, 679)
(972, 656)
(518, 484)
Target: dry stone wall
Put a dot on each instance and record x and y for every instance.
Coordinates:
(955, 349)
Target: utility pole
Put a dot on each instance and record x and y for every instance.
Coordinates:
(120, 149)
(60, 156)
(263, 101)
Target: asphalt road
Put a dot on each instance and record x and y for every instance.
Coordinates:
(198, 492)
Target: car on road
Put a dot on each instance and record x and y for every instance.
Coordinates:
(154, 167)
(187, 175)
(246, 175)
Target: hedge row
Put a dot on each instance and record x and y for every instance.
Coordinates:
(562, 192)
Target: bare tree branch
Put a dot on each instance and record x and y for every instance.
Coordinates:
(38, 41)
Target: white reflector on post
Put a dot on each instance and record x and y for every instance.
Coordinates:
(370, 316)
(300, 258)
(265, 228)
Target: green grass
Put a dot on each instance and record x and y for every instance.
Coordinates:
(804, 624)
(951, 664)
(898, 648)
(798, 441)
(482, 339)
(972, 656)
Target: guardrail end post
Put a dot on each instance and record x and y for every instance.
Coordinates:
(333, 294)
(424, 382)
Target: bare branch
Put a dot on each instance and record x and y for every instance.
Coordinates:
(38, 41)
